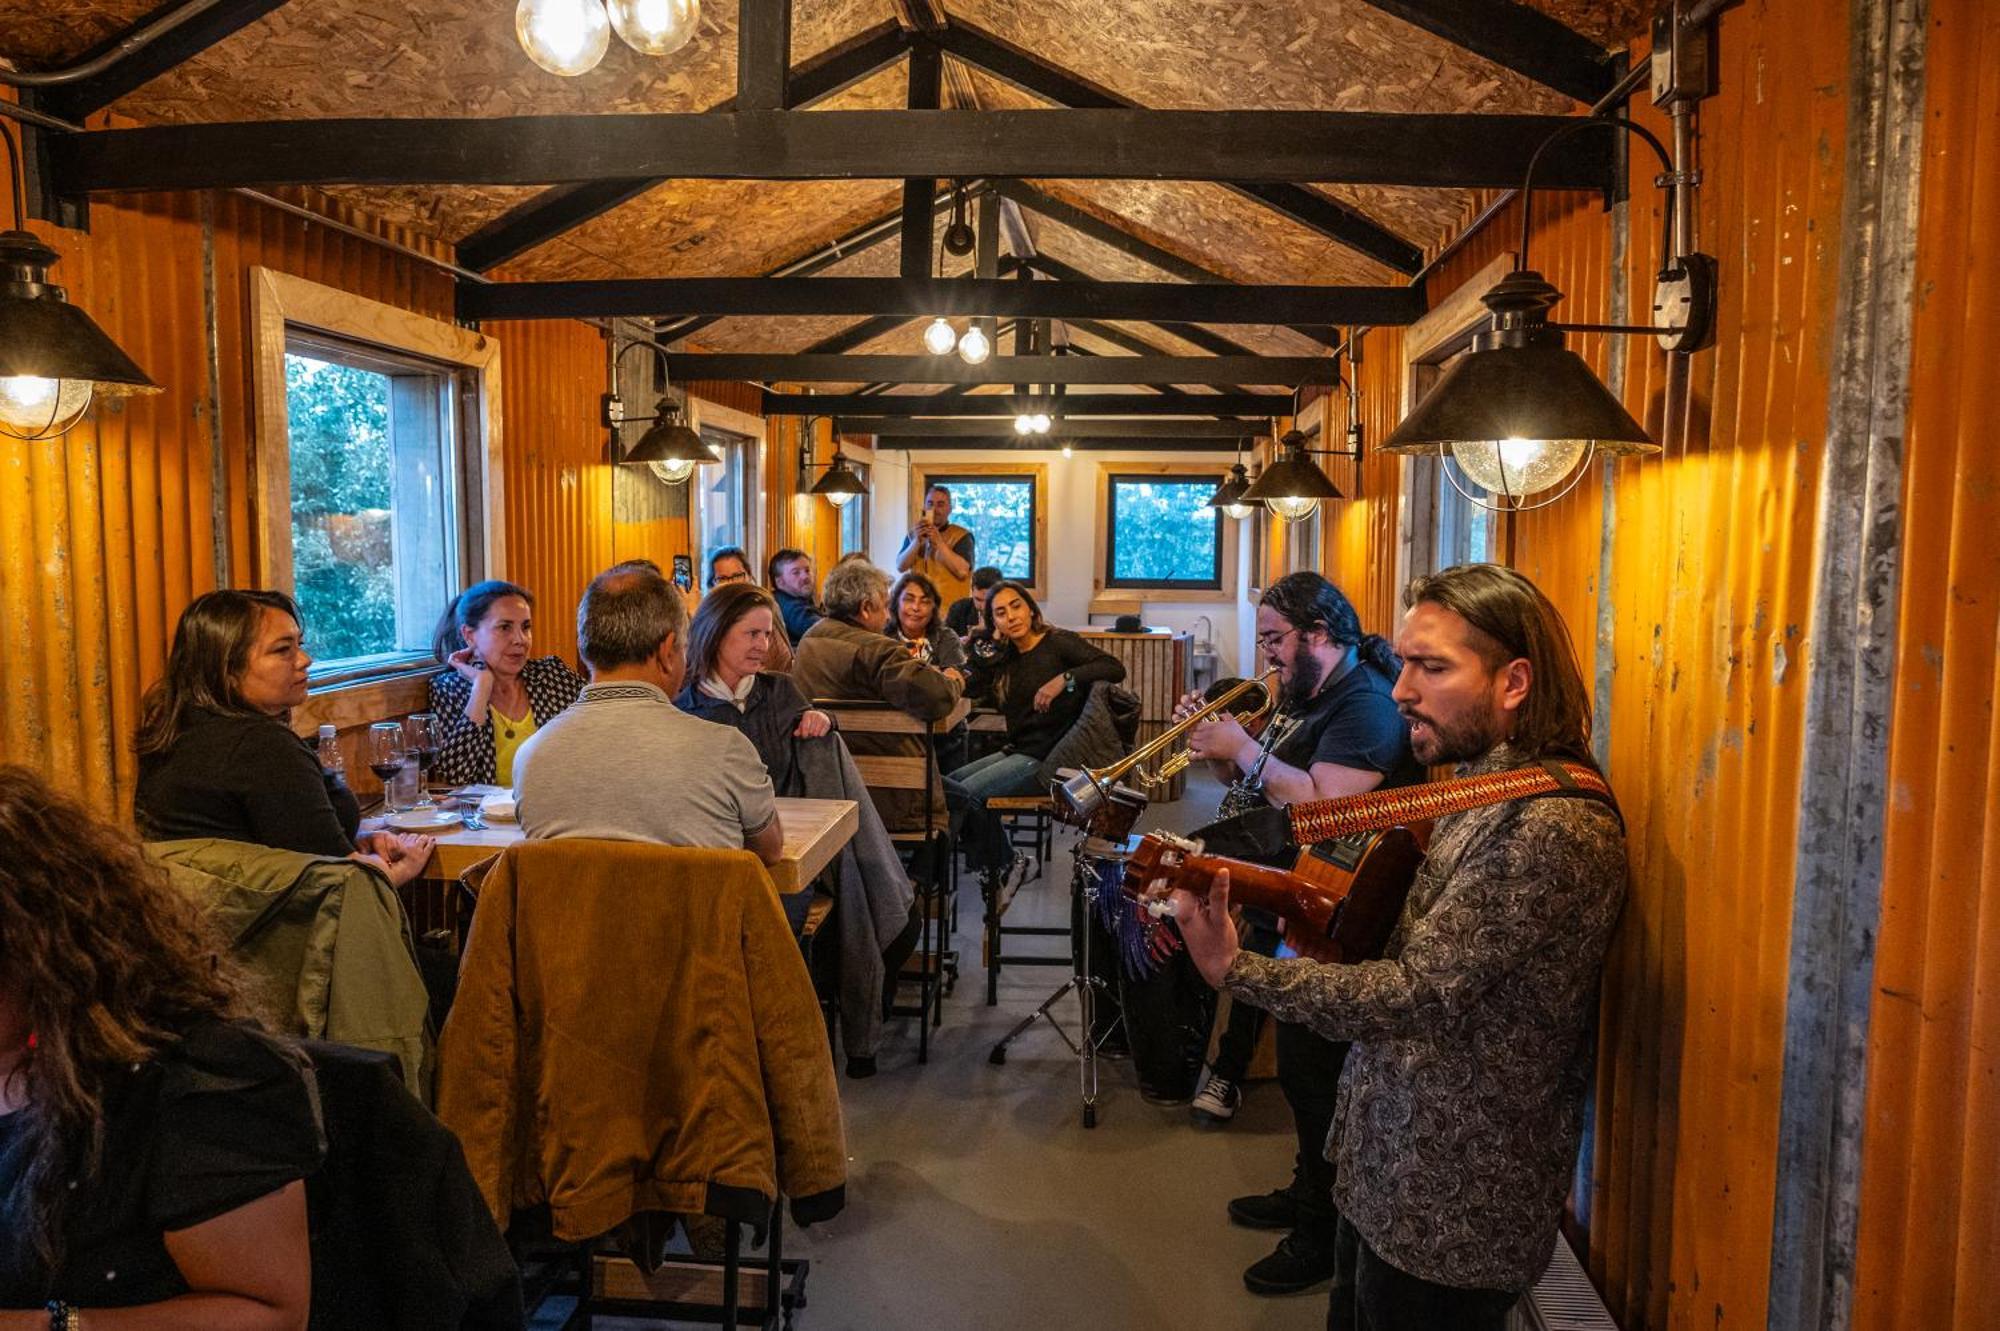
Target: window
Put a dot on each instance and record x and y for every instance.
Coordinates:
(854, 518)
(375, 497)
(1000, 512)
(1160, 532)
(726, 496)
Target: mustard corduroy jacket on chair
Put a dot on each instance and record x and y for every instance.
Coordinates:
(634, 1032)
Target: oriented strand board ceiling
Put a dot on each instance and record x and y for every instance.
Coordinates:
(350, 58)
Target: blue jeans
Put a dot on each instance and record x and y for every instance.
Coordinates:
(966, 792)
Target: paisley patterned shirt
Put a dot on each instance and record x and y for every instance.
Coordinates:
(1462, 1100)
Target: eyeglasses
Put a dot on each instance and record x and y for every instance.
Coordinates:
(721, 578)
(1269, 641)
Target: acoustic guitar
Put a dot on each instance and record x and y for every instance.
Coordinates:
(1340, 901)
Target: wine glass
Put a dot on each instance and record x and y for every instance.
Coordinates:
(420, 735)
(385, 759)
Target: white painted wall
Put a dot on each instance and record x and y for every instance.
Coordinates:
(1075, 530)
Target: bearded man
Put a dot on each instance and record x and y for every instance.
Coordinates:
(1461, 1104)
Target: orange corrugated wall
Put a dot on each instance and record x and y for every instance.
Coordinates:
(1929, 1241)
(1712, 565)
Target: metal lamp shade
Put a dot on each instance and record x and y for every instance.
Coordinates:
(840, 484)
(1293, 476)
(43, 336)
(1229, 494)
(1537, 391)
(670, 441)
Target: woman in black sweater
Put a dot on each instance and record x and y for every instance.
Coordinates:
(217, 757)
(1039, 677)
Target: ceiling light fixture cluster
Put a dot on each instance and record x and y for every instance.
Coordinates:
(569, 37)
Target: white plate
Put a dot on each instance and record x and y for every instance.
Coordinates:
(422, 820)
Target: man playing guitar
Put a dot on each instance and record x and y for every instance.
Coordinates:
(1470, 1051)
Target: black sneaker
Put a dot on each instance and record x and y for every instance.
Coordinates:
(1266, 1210)
(1300, 1262)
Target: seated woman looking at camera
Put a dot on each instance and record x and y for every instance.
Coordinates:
(151, 1142)
(217, 757)
(492, 695)
(1039, 676)
(917, 621)
(729, 644)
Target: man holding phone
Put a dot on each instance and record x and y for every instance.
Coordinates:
(939, 549)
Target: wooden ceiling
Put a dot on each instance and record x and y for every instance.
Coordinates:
(397, 58)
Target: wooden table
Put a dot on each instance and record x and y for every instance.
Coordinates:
(815, 831)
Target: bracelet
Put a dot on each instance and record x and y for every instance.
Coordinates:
(62, 1317)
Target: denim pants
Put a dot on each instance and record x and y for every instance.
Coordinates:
(966, 792)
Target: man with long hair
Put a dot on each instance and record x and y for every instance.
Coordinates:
(1462, 1101)
(1335, 732)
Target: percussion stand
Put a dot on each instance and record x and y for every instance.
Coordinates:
(1085, 888)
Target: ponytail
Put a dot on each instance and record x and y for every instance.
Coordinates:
(467, 610)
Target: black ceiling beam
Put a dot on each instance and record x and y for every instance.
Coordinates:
(1010, 443)
(1355, 147)
(177, 45)
(794, 367)
(554, 211)
(1032, 73)
(901, 427)
(1133, 343)
(1187, 332)
(1097, 229)
(1010, 404)
(1516, 37)
(763, 54)
(918, 297)
(926, 68)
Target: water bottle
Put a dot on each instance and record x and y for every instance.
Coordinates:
(330, 761)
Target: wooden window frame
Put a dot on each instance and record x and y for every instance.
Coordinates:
(280, 303)
(922, 473)
(1107, 594)
(757, 534)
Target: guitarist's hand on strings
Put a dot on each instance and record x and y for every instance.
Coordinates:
(1207, 929)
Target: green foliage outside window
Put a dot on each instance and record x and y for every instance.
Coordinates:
(1000, 514)
(343, 551)
(1163, 534)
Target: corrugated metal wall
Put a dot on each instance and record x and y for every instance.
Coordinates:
(1711, 565)
(1929, 1241)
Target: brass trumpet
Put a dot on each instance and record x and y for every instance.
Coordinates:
(1080, 797)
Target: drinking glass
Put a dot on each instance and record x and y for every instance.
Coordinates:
(385, 760)
(420, 741)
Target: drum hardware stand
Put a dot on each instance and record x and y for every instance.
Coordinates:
(1086, 887)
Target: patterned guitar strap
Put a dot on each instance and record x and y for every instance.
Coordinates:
(1315, 821)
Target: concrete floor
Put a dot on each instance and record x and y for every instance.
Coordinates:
(977, 1200)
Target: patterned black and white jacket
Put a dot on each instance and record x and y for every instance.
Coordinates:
(1461, 1104)
(465, 751)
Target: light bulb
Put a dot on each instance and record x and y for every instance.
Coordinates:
(1038, 423)
(1237, 511)
(673, 473)
(655, 27)
(839, 498)
(1069, 451)
(32, 407)
(975, 346)
(1292, 508)
(1518, 467)
(940, 337)
(1023, 424)
(566, 37)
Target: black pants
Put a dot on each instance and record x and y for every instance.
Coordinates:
(1309, 1075)
(1371, 1295)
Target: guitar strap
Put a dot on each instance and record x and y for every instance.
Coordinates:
(1314, 821)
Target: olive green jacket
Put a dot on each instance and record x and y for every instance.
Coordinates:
(324, 939)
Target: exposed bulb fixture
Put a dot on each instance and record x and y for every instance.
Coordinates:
(974, 347)
(1069, 450)
(566, 37)
(841, 484)
(671, 449)
(1292, 486)
(940, 337)
(1031, 422)
(655, 27)
(1228, 496)
(673, 473)
(1518, 467)
(53, 358)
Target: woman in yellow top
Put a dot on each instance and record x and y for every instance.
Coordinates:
(939, 549)
(493, 695)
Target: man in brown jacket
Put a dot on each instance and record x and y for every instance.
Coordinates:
(846, 656)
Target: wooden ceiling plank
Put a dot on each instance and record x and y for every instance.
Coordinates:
(793, 367)
(1034, 74)
(1357, 147)
(180, 43)
(915, 298)
(1514, 37)
(554, 211)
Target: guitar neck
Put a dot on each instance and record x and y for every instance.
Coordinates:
(1279, 891)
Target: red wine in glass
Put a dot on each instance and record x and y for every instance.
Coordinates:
(384, 772)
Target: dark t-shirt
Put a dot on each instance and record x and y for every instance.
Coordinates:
(1351, 722)
(962, 616)
(245, 778)
(218, 1120)
(1012, 679)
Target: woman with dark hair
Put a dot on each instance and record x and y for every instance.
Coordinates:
(729, 644)
(916, 619)
(1039, 676)
(152, 1143)
(217, 757)
(493, 696)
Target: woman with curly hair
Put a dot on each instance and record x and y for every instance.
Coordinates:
(152, 1140)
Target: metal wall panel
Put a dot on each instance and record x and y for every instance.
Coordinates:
(1929, 1237)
